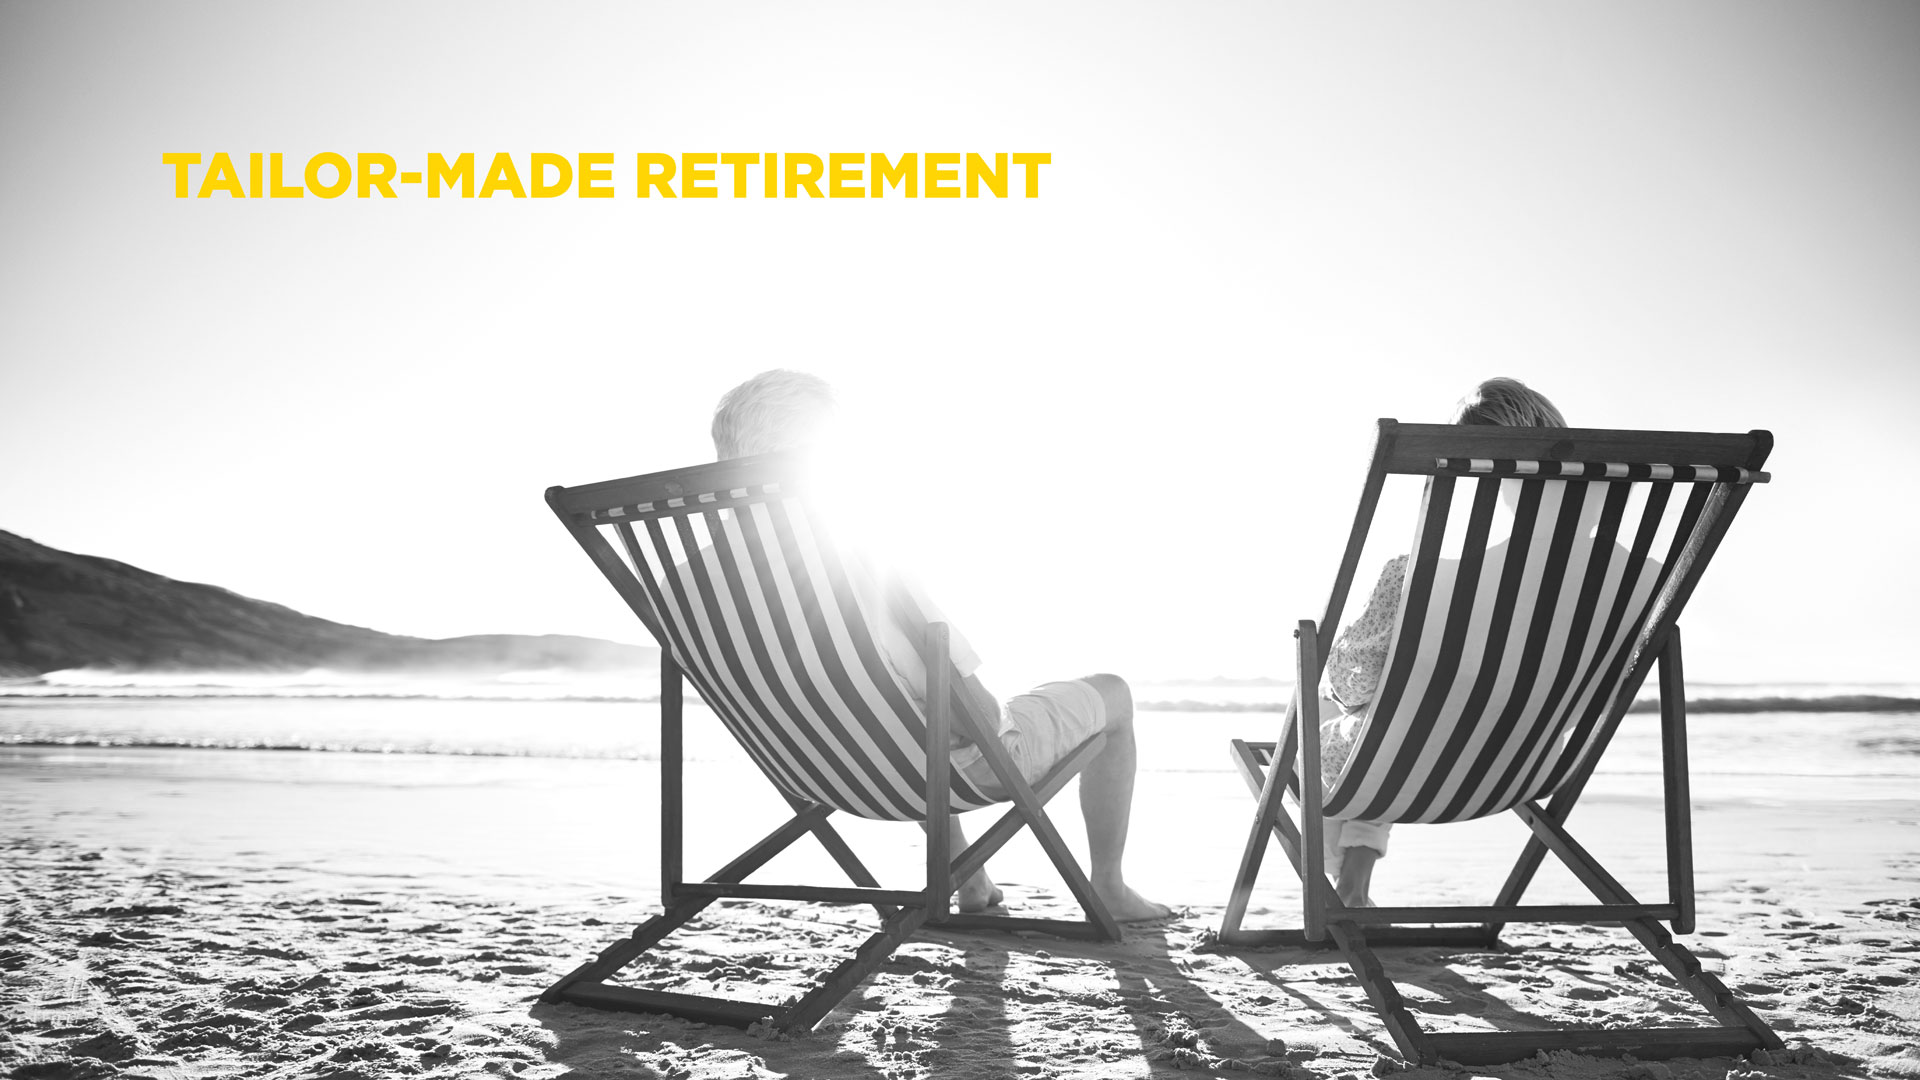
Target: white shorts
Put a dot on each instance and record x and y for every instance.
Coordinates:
(1039, 729)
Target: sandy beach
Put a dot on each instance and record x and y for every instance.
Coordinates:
(202, 913)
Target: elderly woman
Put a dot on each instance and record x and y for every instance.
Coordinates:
(1359, 657)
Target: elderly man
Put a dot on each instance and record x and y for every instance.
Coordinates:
(785, 411)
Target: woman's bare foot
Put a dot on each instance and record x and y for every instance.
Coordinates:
(1125, 905)
(979, 893)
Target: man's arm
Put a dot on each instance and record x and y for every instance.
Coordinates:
(984, 706)
(912, 611)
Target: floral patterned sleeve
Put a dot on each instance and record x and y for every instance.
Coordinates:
(1359, 655)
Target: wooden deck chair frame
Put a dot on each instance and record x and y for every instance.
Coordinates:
(617, 506)
(1434, 450)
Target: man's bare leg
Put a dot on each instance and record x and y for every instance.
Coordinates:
(1106, 802)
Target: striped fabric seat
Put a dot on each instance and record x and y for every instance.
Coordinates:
(772, 624)
(1516, 631)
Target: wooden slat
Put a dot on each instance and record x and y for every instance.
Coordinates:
(1415, 446)
(819, 894)
(1500, 1047)
(1439, 937)
(627, 949)
(1407, 1034)
(705, 1010)
(1013, 924)
(687, 483)
(1571, 913)
(873, 952)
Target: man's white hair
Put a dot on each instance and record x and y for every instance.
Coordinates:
(773, 411)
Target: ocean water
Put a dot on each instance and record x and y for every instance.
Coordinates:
(519, 784)
(1807, 731)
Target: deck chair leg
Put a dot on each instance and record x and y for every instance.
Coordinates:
(650, 933)
(873, 952)
(1265, 817)
(672, 786)
(1076, 880)
(1408, 1036)
(1029, 808)
(1534, 853)
(626, 950)
(1302, 844)
(1314, 893)
(1678, 793)
(1706, 987)
(1685, 968)
(939, 659)
(1029, 811)
(1270, 781)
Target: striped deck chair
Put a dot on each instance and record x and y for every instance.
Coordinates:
(752, 602)
(1523, 634)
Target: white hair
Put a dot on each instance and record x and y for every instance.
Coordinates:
(1508, 403)
(773, 411)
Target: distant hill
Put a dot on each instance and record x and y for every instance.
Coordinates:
(59, 610)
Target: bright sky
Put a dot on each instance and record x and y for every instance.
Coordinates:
(1134, 412)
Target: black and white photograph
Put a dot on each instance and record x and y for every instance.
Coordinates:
(897, 541)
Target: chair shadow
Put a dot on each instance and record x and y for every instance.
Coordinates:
(1443, 992)
(1156, 1000)
(595, 1042)
(992, 982)
(1173, 1022)
(1176, 1020)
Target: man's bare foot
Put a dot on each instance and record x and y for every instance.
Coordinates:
(979, 893)
(1125, 905)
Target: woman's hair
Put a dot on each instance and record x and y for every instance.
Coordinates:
(1508, 403)
(773, 411)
